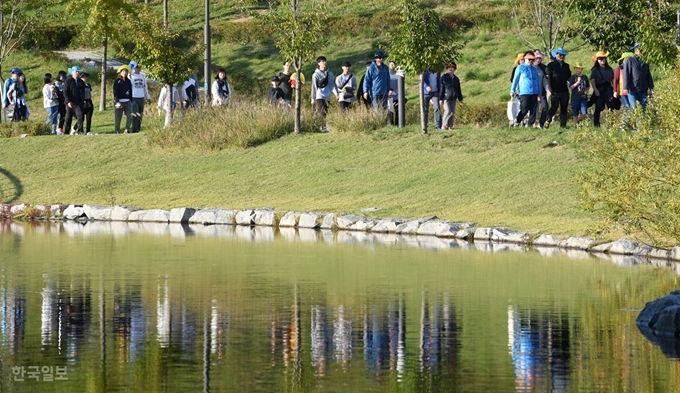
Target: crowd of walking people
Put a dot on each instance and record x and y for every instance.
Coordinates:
(535, 87)
(534, 84)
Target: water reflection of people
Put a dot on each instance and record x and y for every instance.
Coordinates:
(320, 338)
(342, 337)
(539, 346)
(12, 317)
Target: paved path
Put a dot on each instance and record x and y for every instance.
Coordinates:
(90, 60)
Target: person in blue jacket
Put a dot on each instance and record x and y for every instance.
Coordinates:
(377, 82)
(526, 79)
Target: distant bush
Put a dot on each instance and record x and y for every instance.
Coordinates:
(240, 125)
(30, 128)
(632, 173)
(50, 36)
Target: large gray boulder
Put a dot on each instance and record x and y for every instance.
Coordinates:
(203, 216)
(73, 212)
(411, 227)
(388, 225)
(310, 220)
(266, 217)
(659, 321)
(181, 214)
(121, 213)
(245, 217)
(97, 213)
(346, 221)
(329, 221)
(289, 219)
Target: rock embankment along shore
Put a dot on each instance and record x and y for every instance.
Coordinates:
(427, 226)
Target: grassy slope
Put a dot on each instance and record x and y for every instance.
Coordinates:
(488, 176)
(493, 179)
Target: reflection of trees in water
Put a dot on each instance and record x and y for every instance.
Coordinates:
(540, 350)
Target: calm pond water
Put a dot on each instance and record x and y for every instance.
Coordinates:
(115, 307)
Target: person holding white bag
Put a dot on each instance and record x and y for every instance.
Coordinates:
(527, 82)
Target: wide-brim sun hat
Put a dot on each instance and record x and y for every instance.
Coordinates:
(599, 54)
(123, 67)
(520, 58)
(16, 70)
(73, 69)
(579, 65)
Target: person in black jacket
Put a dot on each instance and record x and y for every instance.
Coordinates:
(558, 74)
(74, 94)
(360, 91)
(122, 98)
(448, 94)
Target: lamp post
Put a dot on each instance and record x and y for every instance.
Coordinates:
(206, 66)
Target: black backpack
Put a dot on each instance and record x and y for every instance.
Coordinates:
(191, 93)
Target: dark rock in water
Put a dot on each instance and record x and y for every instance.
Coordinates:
(659, 322)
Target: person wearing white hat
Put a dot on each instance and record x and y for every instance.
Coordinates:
(74, 94)
(140, 93)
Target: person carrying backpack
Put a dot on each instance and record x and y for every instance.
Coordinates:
(323, 83)
(51, 102)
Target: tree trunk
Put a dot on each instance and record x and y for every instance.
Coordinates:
(423, 120)
(165, 14)
(102, 97)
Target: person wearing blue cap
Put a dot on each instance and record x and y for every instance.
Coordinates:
(9, 82)
(16, 95)
(74, 94)
(140, 93)
(637, 79)
(558, 74)
(376, 84)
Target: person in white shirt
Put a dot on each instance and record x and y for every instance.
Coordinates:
(51, 103)
(221, 91)
(140, 93)
(168, 102)
(345, 87)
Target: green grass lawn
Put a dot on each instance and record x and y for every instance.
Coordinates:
(493, 177)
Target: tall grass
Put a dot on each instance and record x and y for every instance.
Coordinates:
(242, 124)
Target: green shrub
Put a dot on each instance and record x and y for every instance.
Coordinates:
(29, 128)
(240, 125)
(481, 115)
(632, 173)
(50, 36)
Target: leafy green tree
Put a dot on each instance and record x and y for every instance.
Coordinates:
(632, 178)
(164, 58)
(17, 18)
(300, 33)
(620, 23)
(102, 24)
(421, 41)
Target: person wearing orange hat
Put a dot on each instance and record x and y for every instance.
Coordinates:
(602, 82)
